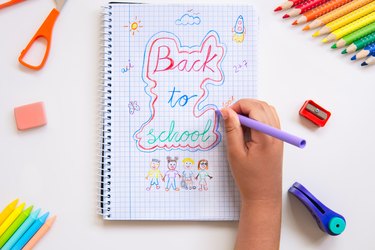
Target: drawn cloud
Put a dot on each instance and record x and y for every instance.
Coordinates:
(188, 20)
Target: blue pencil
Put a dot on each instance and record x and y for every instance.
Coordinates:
(369, 61)
(30, 232)
(367, 51)
(21, 230)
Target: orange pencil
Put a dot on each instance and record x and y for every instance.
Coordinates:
(320, 11)
(337, 13)
(41, 232)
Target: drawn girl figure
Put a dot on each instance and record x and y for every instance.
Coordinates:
(188, 174)
(203, 174)
(154, 174)
(171, 174)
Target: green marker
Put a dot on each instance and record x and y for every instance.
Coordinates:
(356, 35)
(15, 225)
(360, 44)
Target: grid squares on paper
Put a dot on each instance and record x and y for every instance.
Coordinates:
(130, 110)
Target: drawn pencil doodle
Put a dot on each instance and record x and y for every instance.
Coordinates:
(154, 174)
(188, 19)
(133, 106)
(188, 174)
(203, 175)
(172, 174)
(134, 26)
(167, 66)
(239, 30)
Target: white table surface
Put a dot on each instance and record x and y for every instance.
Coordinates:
(54, 167)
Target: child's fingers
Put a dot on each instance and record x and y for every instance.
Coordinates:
(234, 133)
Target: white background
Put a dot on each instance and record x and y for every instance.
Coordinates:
(54, 167)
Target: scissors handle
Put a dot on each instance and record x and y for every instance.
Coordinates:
(9, 3)
(45, 31)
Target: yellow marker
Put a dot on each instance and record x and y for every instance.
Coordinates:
(351, 27)
(347, 19)
(12, 217)
(7, 211)
(337, 13)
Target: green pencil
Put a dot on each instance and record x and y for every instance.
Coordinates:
(15, 225)
(360, 44)
(358, 34)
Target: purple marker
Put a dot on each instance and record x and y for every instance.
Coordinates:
(269, 130)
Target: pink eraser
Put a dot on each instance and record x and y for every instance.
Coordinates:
(30, 116)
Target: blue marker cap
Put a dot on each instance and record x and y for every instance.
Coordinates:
(328, 221)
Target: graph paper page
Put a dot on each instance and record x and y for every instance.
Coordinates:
(172, 67)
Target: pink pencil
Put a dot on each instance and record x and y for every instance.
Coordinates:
(304, 7)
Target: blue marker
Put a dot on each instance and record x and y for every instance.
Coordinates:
(30, 232)
(328, 221)
(21, 230)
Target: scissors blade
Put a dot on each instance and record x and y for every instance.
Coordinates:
(60, 4)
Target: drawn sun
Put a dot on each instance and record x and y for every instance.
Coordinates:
(134, 26)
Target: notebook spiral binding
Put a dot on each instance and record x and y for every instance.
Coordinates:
(105, 117)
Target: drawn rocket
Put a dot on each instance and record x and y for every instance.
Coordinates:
(239, 30)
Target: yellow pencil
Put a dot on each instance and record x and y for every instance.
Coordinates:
(351, 27)
(337, 13)
(41, 232)
(7, 211)
(12, 217)
(349, 18)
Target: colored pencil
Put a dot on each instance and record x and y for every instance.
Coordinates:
(360, 44)
(348, 18)
(320, 11)
(16, 224)
(288, 4)
(11, 218)
(21, 230)
(7, 211)
(369, 61)
(348, 39)
(304, 7)
(337, 13)
(367, 51)
(41, 232)
(351, 27)
(31, 232)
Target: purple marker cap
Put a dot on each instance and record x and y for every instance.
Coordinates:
(269, 130)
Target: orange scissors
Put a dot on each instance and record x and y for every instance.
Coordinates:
(44, 31)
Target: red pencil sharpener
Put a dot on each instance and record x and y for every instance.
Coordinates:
(315, 113)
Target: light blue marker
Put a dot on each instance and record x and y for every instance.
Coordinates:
(21, 230)
(30, 232)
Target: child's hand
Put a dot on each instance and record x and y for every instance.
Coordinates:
(256, 161)
(255, 158)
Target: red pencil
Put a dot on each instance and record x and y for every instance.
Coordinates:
(288, 4)
(303, 7)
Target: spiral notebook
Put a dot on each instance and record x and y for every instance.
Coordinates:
(167, 68)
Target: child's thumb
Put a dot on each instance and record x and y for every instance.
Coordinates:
(233, 132)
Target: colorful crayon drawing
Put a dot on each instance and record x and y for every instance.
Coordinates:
(203, 175)
(134, 26)
(167, 64)
(154, 174)
(172, 174)
(239, 30)
(188, 174)
(188, 19)
(133, 106)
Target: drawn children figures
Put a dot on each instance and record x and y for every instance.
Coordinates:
(203, 174)
(171, 174)
(188, 174)
(154, 174)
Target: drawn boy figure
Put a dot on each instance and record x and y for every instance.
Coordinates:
(203, 174)
(154, 174)
(171, 174)
(188, 174)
